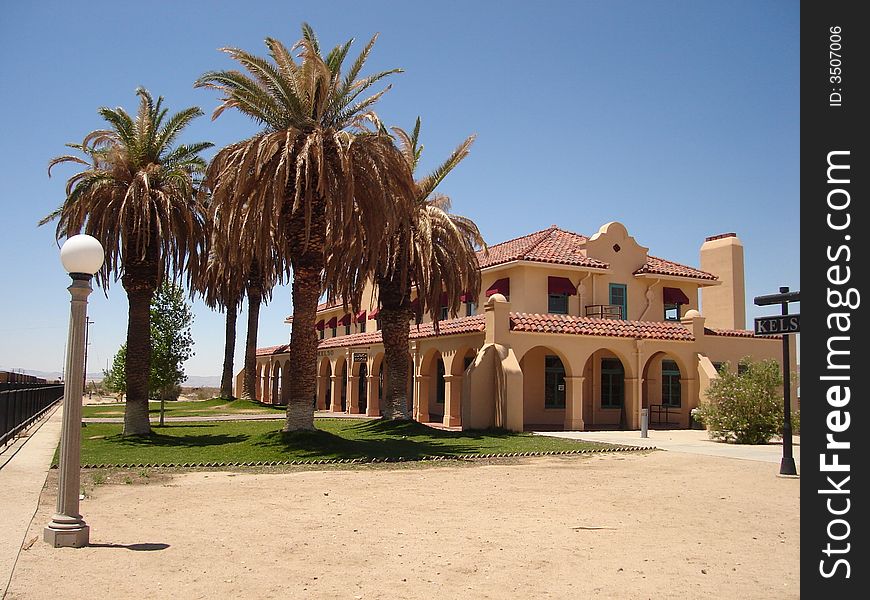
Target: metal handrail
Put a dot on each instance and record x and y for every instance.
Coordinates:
(21, 406)
(604, 311)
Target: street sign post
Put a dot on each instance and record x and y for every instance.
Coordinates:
(783, 325)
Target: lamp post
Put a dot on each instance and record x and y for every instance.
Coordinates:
(82, 256)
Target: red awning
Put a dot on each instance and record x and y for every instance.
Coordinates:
(561, 285)
(320, 325)
(331, 323)
(360, 317)
(374, 314)
(345, 320)
(674, 296)
(501, 286)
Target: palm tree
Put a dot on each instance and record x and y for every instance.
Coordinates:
(136, 195)
(437, 254)
(223, 283)
(315, 180)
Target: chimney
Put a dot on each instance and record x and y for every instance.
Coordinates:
(724, 306)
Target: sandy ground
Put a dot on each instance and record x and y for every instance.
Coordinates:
(653, 525)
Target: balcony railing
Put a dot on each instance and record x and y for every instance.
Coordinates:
(604, 311)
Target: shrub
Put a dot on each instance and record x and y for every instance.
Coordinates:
(796, 422)
(745, 408)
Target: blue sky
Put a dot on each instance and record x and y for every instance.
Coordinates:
(678, 118)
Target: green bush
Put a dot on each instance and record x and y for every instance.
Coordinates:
(745, 408)
(796, 422)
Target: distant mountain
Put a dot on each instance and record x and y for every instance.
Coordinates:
(202, 381)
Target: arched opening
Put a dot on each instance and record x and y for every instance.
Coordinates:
(324, 385)
(432, 387)
(362, 382)
(341, 385)
(285, 382)
(545, 391)
(376, 387)
(276, 383)
(664, 391)
(606, 395)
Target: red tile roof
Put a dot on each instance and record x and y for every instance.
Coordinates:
(551, 245)
(660, 266)
(747, 333)
(654, 330)
(474, 324)
(272, 350)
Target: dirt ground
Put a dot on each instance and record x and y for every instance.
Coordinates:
(653, 525)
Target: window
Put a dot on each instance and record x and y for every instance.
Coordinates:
(557, 304)
(672, 312)
(467, 362)
(470, 308)
(378, 324)
(612, 383)
(362, 326)
(445, 312)
(670, 384)
(718, 366)
(618, 297)
(334, 332)
(554, 382)
(347, 330)
(321, 332)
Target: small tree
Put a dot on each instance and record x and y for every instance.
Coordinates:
(115, 379)
(171, 345)
(745, 407)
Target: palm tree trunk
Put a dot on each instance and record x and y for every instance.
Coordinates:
(255, 297)
(229, 352)
(395, 312)
(303, 343)
(138, 363)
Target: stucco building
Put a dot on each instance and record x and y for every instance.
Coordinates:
(568, 332)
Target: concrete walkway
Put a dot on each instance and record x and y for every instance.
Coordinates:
(22, 476)
(691, 441)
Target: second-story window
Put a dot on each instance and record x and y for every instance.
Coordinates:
(347, 330)
(445, 313)
(470, 308)
(672, 312)
(362, 326)
(557, 304)
(334, 332)
(619, 297)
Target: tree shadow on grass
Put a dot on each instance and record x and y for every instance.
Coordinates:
(177, 441)
(378, 439)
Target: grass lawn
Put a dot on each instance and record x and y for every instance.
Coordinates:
(201, 408)
(249, 441)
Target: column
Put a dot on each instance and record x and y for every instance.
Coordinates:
(373, 408)
(452, 400)
(632, 402)
(574, 404)
(353, 394)
(336, 383)
(322, 382)
(421, 398)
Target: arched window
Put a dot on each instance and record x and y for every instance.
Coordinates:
(612, 383)
(554, 382)
(670, 384)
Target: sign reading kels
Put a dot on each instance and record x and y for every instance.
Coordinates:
(781, 325)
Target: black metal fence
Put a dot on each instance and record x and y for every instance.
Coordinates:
(22, 403)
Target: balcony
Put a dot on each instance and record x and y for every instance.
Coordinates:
(604, 311)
